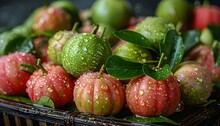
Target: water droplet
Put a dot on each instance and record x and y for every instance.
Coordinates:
(49, 89)
(141, 92)
(180, 107)
(142, 103)
(104, 87)
(96, 97)
(199, 79)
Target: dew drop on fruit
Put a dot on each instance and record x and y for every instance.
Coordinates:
(96, 97)
(199, 79)
(104, 87)
(49, 89)
(141, 92)
(142, 103)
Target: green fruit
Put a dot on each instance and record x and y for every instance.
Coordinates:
(133, 52)
(206, 37)
(85, 52)
(174, 10)
(155, 29)
(115, 13)
(56, 44)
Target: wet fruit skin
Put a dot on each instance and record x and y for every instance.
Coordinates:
(56, 44)
(115, 13)
(204, 55)
(57, 84)
(51, 19)
(132, 52)
(205, 15)
(174, 10)
(148, 97)
(12, 79)
(85, 52)
(103, 95)
(154, 28)
(195, 82)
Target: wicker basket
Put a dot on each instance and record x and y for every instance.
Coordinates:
(20, 114)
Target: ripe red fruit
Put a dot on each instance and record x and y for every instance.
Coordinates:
(147, 97)
(51, 19)
(56, 84)
(12, 79)
(99, 94)
(204, 15)
(204, 55)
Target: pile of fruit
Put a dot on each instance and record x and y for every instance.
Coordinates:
(105, 60)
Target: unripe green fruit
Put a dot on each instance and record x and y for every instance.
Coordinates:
(133, 52)
(85, 52)
(155, 29)
(174, 10)
(115, 13)
(56, 44)
(206, 37)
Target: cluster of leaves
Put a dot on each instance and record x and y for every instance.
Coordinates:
(171, 52)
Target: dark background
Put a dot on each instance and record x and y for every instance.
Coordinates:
(14, 12)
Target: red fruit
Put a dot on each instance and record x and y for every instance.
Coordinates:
(204, 15)
(12, 79)
(51, 19)
(99, 95)
(148, 97)
(56, 84)
(204, 55)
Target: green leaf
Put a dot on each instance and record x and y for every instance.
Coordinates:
(150, 120)
(216, 52)
(173, 48)
(19, 44)
(215, 30)
(46, 101)
(135, 38)
(122, 68)
(216, 84)
(190, 39)
(16, 98)
(159, 74)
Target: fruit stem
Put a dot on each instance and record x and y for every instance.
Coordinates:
(41, 66)
(95, 29)
(160, 60)
(103, 32)
(75, 26)
(151, 61)
(101, 71)
(28, 68)
(214, 44)
(179, 26)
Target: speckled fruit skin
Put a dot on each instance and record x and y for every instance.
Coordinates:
(56, 44)
(195, 82)
(57, 84)
(148, 97)
(85, 52)
(133, 52)
(154, 28)
(12, 79)
(204, 55)
(51, 19)
(103, 95)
